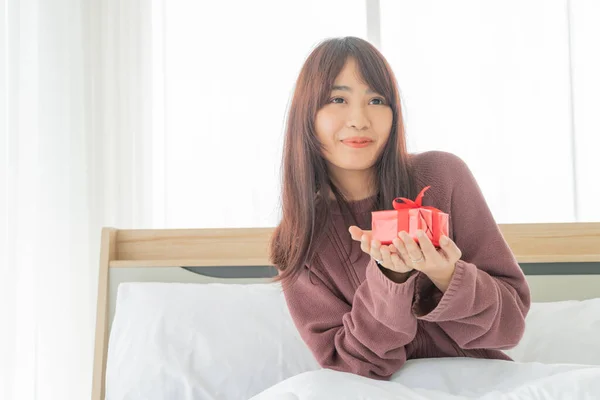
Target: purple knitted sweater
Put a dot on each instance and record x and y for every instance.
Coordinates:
(354, 319)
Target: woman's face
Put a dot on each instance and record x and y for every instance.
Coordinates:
(354, 125)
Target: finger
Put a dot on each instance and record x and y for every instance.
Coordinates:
(363, 232)
(450, 248)
(385, 258)
(442, 253)
(401, 249)
(413, 249)
(376, 252)
(400, 265)
(355, 232)
(365, 245)
(392, 248)
(428, 248)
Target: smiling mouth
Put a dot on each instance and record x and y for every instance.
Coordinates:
(357, 142)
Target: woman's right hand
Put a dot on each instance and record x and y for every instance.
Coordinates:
(391, 257)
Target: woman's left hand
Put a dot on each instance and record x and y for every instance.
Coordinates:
(437, 264)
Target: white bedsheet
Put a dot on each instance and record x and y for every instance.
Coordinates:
(445, 379)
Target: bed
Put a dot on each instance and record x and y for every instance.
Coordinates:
(192, 314)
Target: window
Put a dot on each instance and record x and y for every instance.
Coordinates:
(229, 72)
(509, 86)
(489, 81)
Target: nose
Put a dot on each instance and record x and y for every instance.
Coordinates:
(358, 119)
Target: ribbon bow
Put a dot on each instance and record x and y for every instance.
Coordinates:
(418, 203)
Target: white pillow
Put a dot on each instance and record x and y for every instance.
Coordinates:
(228, 341)
(563, 332)
(201, 341)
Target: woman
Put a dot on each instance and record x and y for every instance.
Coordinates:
(360, 306)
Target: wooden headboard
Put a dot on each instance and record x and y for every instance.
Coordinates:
(541, 249)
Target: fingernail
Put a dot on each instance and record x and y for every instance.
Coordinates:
(444, 239)
(373, 243)
(420, 233)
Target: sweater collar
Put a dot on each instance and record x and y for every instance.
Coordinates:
(356, 207)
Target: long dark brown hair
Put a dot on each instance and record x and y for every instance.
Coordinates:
(306, 182)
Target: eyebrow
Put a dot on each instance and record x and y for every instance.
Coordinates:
(349, 89)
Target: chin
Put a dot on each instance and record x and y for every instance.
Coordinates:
(356, 166)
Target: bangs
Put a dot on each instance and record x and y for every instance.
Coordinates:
(377, 78)
(372, 68)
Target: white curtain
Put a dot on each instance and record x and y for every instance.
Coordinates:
(585, 64)
(73, 112)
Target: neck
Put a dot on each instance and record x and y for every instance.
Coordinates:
(354, 185)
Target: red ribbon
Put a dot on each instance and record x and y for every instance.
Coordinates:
(418, 203)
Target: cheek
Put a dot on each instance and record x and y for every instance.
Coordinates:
(382, 123)
(328, 125)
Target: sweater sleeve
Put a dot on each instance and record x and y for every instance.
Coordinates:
(367, 338)
(488, 298)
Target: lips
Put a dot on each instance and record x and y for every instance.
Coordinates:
(357, 142)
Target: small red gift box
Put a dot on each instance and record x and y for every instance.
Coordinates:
(409, 216)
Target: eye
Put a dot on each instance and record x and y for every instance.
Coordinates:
(378, 101)
(336, 100)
